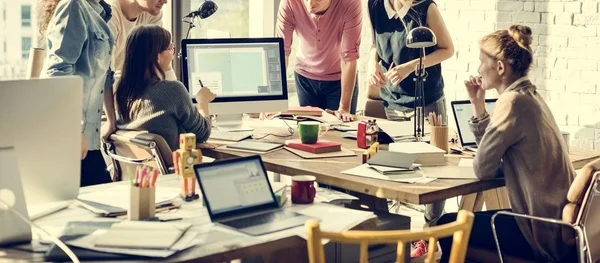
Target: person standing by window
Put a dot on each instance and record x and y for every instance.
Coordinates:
(325, 70)
(128, 14)
(78, 42)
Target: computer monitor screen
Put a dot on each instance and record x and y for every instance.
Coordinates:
(237, 184)
(41, 119)
(235, 68)
(242, 72)
(463, 111)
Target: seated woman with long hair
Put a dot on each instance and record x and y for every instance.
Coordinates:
(521, 142)
(146, 101)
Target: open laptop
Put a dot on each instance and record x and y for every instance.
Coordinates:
(463, 111)
(238, 194)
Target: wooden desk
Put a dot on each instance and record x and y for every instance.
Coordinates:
(284, 249)
(328, 171)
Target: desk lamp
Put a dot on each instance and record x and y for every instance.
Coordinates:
(420, 37)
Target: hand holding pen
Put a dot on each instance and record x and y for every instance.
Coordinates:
(204, 94)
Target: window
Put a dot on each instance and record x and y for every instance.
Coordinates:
(17, 36)
(26, 16)
(25, 46)
(230, 20)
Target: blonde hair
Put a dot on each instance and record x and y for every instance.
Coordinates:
(513, 46)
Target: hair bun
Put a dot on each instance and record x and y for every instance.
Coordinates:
(521, 34)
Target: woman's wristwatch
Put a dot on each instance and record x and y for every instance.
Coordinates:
(483, 116)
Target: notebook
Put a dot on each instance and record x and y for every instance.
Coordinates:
(322, 146)
(141, 234)
(393, 159)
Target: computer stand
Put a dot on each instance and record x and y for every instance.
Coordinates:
(231, 122)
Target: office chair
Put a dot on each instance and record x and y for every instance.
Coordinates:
(460, 230)
(129, 149)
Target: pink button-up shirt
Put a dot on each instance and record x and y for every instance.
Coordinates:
(325, 39)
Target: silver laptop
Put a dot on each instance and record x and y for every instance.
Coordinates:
(463, 111)
(238, 194)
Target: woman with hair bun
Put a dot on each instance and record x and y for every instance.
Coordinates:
(521, 142)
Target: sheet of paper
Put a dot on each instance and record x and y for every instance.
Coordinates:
(118, 196)
(88, 242)
(211, 80)
(325, 195)
(365, 171)
(449, 172)
(333, 218)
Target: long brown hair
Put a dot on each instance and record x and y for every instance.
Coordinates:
(141, 68)
(512, 46)
(46, 10)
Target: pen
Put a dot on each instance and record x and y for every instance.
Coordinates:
(201, 85)
(153, 177)
(170, 219)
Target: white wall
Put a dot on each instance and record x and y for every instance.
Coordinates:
(567, 55)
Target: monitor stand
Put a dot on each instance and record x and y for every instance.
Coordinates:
(231, 122)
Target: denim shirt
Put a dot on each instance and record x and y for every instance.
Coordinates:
(79, 43)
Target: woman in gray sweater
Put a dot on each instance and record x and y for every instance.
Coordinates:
(146, 101)
(521, 142)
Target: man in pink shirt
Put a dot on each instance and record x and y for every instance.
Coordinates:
(325, 68)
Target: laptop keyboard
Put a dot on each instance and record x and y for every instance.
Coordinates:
(259, 219)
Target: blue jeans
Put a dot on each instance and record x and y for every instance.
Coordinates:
(433, 211)
(322, 93)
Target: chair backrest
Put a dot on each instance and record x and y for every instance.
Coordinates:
(130, 149)
(460, 230)
(583, 209)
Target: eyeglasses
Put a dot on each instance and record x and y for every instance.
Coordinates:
(171, 47)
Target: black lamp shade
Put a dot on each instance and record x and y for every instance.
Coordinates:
(420, 37)
(207, 8)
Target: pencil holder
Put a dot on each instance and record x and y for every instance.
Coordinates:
(141, 203)
(439, 137)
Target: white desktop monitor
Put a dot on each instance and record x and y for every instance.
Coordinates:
(246, 74)
(41, 119)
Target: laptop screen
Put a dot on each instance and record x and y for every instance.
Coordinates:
(234, 185)
(463, 111)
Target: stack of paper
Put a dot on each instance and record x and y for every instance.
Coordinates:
(427, 154)
(140, 234)
(365, 170)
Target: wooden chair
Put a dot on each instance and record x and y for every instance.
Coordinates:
(460, 230)
(581, 214)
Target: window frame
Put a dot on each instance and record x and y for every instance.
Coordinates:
(26, 22)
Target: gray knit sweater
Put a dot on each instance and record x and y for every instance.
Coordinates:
(167, 110)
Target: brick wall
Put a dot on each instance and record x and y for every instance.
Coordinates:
(566, 54)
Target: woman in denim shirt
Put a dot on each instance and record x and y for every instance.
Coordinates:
(79, 43)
